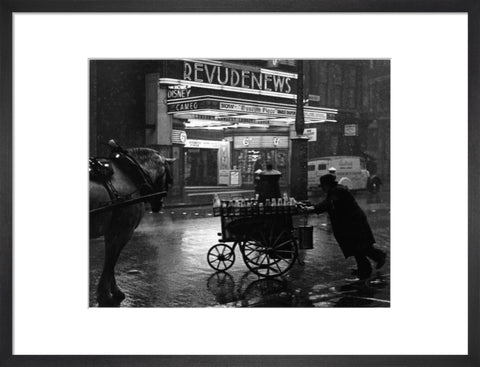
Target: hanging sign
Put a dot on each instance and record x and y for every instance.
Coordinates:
(311, 134)
(179, 137)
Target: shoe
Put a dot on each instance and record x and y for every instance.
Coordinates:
(381, 262)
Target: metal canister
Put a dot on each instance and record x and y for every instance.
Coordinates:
(305, 237)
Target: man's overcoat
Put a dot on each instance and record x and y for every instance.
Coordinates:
(349, 222)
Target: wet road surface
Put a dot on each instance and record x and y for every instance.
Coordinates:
(165, 265)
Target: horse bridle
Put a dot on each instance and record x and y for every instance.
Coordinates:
(141, 178)
(160, 178)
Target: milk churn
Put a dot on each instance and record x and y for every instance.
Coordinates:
(269, 186)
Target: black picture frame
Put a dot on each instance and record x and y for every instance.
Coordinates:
(7, 8)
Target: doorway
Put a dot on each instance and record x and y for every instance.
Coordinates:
(201, 167)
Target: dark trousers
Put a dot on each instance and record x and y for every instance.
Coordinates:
(363, 263)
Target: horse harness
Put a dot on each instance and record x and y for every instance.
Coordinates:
(101, 171)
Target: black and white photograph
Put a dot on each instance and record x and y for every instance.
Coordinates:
(288, 184)
(239, 183)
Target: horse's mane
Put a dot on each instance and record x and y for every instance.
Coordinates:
(142, 154)
(146, 157)
(150, 159)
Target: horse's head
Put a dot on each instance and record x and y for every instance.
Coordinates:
(159, 170)
(162, 183)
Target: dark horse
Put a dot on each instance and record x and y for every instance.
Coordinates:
(118, 224)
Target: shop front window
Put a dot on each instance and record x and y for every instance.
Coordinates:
(281, 161)
(250, 160)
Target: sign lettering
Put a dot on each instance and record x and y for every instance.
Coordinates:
(311, 134)
(178, 93)
(179, 136)
(229, 76)
(320, 116)
(187, 106)
(205, 144)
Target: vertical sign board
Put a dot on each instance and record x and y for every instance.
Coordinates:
(224, 163)
(224, 155)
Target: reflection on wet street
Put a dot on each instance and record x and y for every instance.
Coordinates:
(165, 265)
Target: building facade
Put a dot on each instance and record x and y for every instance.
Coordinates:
(224, 119)
(360, 91)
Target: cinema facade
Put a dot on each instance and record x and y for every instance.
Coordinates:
(221, 120)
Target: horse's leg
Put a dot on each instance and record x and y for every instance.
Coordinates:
(117, 294)
(104, 296)
(108, 293)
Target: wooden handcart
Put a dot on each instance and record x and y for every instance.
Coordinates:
(264, 235)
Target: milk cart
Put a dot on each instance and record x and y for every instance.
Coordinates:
(264, 234)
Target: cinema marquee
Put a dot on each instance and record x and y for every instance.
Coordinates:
(229, 77)
(219, 118)
(224, 74)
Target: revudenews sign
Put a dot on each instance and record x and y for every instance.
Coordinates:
(230, 75)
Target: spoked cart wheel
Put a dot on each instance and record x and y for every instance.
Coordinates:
(270, 254)
(220, 257)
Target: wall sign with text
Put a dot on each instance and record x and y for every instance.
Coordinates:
(230, 77)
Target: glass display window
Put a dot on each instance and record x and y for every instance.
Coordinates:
(249, 160)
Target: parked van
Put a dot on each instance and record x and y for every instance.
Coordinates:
(350, 171)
